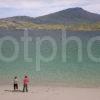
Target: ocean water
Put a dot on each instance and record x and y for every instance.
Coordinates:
(71, 72)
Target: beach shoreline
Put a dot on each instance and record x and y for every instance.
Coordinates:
(50, 93)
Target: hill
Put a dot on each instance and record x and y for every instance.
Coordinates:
(69, 16)
(71, 19)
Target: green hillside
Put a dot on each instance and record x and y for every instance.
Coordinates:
(30, 25)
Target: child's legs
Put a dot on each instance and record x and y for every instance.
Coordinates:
(26, 88)
(17, 86)
(14, 87)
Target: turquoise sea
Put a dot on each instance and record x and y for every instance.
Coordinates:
(56, 72)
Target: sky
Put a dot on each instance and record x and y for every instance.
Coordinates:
(35, 8)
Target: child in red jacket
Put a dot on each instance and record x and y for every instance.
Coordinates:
(25, 84)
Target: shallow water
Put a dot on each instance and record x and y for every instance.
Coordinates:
(69, 73)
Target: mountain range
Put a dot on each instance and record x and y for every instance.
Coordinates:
(71, 15)
(80, 18)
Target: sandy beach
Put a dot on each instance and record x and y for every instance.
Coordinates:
(50, 93)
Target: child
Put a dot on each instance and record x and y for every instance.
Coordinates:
(25, 84)
(15, 83)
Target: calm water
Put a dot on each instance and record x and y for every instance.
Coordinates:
(69, 73)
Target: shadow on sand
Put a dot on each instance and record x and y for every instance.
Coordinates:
(13, 91)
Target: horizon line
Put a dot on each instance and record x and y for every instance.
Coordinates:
(24, 15)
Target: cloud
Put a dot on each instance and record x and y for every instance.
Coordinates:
(93, 6)
(34, 7)
(42, 7)
(31, 4)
